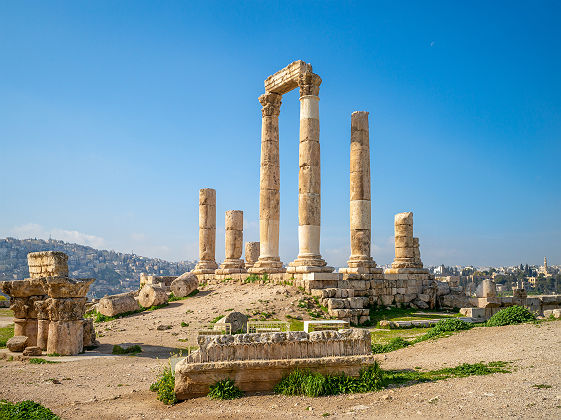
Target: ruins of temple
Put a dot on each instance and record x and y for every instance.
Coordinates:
(348, 292)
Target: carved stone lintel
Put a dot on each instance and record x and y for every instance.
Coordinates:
(309, 84)
(271, 103)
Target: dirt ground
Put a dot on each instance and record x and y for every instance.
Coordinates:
(98, 385)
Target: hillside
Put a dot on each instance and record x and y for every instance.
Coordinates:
(114, 272)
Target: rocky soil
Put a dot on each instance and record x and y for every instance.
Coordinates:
(103, 386)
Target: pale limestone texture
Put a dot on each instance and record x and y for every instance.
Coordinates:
(152, 296)
(407, 253)
(117, 304)
(47, 264)
(207, 232)
(184, 285)
(252, 250)
(237, 320)
(66, 337)
(17, 343)
(234, 244)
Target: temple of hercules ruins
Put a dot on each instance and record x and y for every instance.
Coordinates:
(348, 292)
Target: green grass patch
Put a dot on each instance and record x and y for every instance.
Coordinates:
(394, 344)
(378, 314)
(5, 334)
(218, 318)
(510, 316)
(25, 410)
(39, 361)
(374, 378)
(173, 298)
(98, 317)
(165, 387)
(447, 326)
(541, 386)
(129, 350)
(6, 312)
(295, 324)
(224, 390)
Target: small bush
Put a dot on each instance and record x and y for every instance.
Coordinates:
(165, 387)
(225, 389)
(395, 344)
(25, 410)
(511, 315)
(129, 350)
(445, 326)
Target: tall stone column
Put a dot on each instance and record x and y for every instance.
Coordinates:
(207, 232)
(309, 180)
(360, 260)
(234, 244)
(269, 192)
(406, 255)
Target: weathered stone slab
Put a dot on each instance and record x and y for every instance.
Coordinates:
(117, 304)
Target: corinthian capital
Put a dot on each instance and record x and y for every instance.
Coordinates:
(271, 103)
(309, 84)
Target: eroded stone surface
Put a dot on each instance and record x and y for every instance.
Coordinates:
(17, 343)
(117, 304)
(184, 285)
(152, 296)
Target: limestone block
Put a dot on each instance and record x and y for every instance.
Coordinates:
(23, 288)
(309, 180)
(234, 220)
(309, 153)
(404, 241)
(404, 230)
(207, 217)
(360, 214)
(152, 296)
(207, 196)
(117, 304)
(64, 287)
(251, 253)
(336, 304)
(309, 209)
(405, 218)
(42, 333)
(237, 320)
(234, 244)
(67, 309)
(360, 185)
(184, 285)
(269, 204)
(32, 351)
(387, 300)
(207, 244)
(52, 263)
(270, 151)
(26, 327)
(486, 288)
(286, 79)
(443, 288)
(17, 343)
(24, 307)
(89, 337)
(269, 175)
(309, 129)
(66, 337)
(404, 253)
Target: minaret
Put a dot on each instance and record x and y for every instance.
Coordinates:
(545, 265)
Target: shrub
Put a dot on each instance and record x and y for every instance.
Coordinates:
(25, 410)
(511, 315)
(313, 384)
(447, 325)
(129, 350)
(225, 389)
(39, 361)
(165, 387)
(395, 344)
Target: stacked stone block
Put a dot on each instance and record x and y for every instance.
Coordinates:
(207, 232)
(234, 244)
(251, 254)
(47, 264)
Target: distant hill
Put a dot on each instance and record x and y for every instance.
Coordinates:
(114, 272)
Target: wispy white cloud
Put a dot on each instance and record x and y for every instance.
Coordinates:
(34, 230)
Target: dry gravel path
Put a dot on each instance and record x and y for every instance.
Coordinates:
(101, 386)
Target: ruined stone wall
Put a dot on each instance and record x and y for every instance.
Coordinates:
(282, 345)
(47, 264)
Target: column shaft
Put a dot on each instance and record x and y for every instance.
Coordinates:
(233, 244)
(269, 190)
(207, 232)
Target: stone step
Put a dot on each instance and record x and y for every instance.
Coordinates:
(355, 316)
(332, 292)
(346, 303)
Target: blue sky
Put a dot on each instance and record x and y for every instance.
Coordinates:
(114, 114)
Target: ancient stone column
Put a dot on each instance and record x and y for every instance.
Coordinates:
(207, 232)
(360, 260)
(309, 179)
(269, 195)
(251, 253)
(405, 252)
(66, 307)
(234, 244)
(417, 252)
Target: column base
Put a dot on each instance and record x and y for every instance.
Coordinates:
(205, 267)
(309, 264)
(407, 263)
(361, 264)
(267, 265)
(231, 266)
